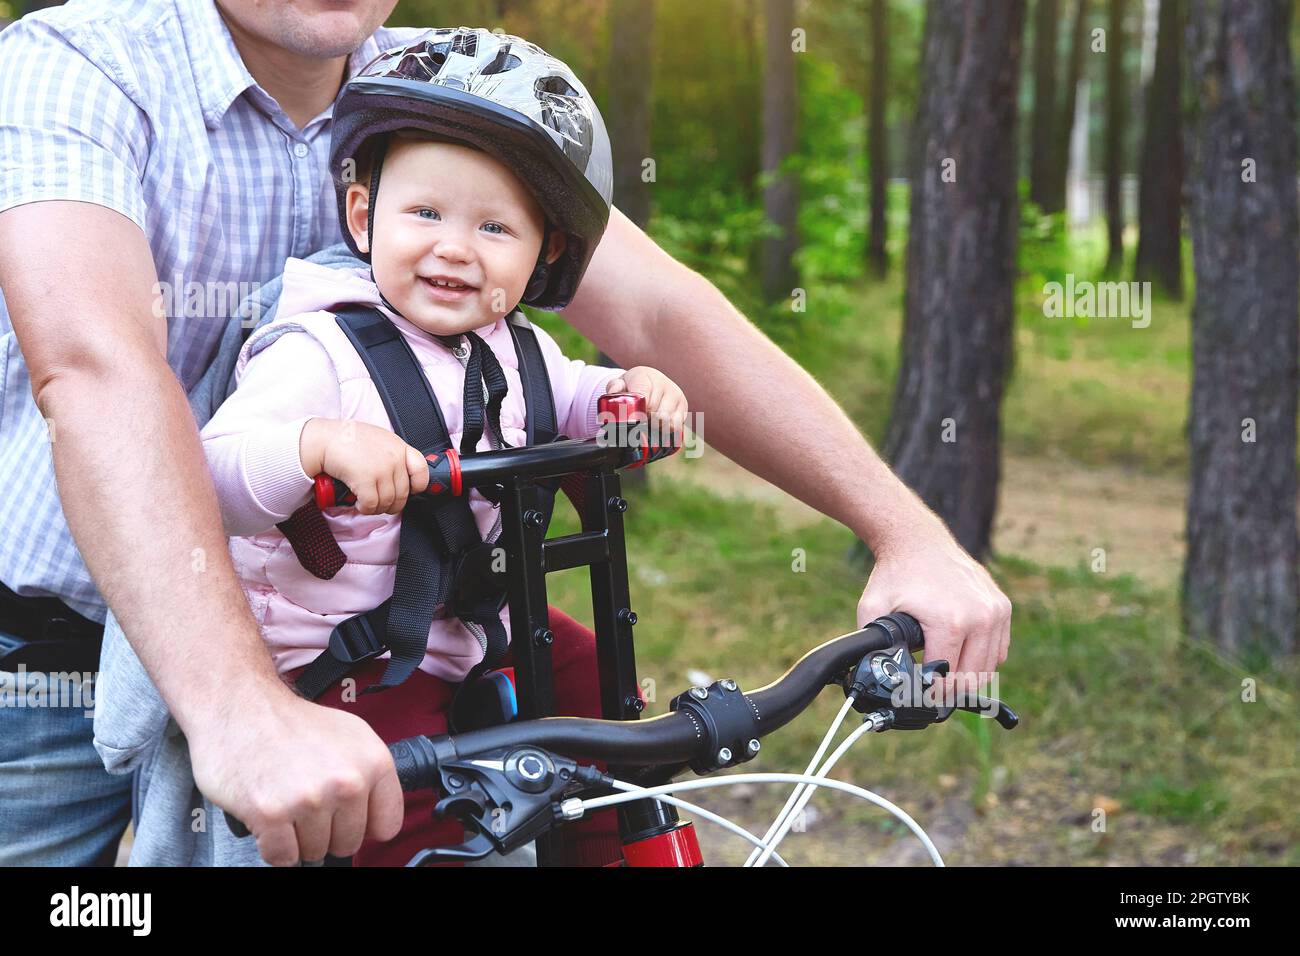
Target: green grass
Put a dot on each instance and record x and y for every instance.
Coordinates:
(1119, 710)
(1114, 703)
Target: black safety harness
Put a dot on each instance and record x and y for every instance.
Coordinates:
(444, 568)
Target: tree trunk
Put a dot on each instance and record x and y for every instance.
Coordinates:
(631, 61)
(1116, 116)
(945, 429)
(1043, 131)
(877, 257)
(780, 118)
(1240, 581)
(1160, 183)
(1061, 142)
(750, 104)
(631, 33)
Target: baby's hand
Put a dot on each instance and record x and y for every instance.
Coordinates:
(380, 468)
(665, 402)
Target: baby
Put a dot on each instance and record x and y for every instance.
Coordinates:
(472, 171)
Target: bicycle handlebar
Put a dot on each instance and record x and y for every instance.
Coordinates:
(707, 729)
(673, 738)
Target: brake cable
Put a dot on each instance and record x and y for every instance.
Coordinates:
(811, 768)
(868, 725)
(580, 806)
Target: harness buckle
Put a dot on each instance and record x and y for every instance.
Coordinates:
(354, 641)
(478, 588)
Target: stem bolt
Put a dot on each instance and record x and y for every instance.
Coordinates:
(543, 637)
(617, 504)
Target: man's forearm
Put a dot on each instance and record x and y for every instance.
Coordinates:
(748, 391)
(141, 506)
(642, 307)
(768, 415)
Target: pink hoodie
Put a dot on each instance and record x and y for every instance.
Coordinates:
(251, 444)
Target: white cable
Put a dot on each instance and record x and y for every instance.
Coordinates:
(706, 814)
(811, 768)
(732, 779)
(822, 771)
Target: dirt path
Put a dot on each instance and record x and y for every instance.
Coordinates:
(1051, 512)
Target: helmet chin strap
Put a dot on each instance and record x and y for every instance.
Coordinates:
(541, 276)
(376, 167)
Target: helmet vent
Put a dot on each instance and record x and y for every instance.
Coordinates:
(502, 62)
(556, 85)
(466, 44)
(423, 65)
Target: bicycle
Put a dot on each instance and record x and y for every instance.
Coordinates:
(519, 782)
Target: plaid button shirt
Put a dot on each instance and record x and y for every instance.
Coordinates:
(145, 107)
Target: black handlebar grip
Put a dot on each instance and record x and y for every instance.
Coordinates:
(416, 760)
(904, 624)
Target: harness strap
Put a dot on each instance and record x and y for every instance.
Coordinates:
(482, 373)
(435, 533)
(542, 427)
(431, 532)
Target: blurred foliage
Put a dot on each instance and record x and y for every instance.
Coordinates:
(706, 128)
(1189, 769)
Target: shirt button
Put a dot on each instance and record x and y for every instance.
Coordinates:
(300, 150)
(461, 351)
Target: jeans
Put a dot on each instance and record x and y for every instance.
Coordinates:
(58, 805)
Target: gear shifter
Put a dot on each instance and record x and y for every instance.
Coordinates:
(890, 682)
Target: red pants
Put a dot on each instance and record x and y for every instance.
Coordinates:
(419, 706)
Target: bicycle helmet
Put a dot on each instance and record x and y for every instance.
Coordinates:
(507, 97)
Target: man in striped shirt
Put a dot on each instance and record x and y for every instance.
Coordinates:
(152, 148)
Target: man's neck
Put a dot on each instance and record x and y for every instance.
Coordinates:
(303, 86)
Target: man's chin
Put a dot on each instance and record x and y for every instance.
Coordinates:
(330, 33)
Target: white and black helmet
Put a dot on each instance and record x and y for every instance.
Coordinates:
(507, 97)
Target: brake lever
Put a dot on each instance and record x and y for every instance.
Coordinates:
(1003, 714)
(476, 849)
(506, 797)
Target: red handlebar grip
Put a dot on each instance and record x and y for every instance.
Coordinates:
(621, 407)
(444, 473)
(329, 492)
(444, 477)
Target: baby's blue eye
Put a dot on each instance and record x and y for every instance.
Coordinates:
(427, 213)
(495, 228)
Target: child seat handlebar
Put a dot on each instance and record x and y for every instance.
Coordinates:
(624, 442)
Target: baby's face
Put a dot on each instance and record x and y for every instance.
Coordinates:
(450, 214)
